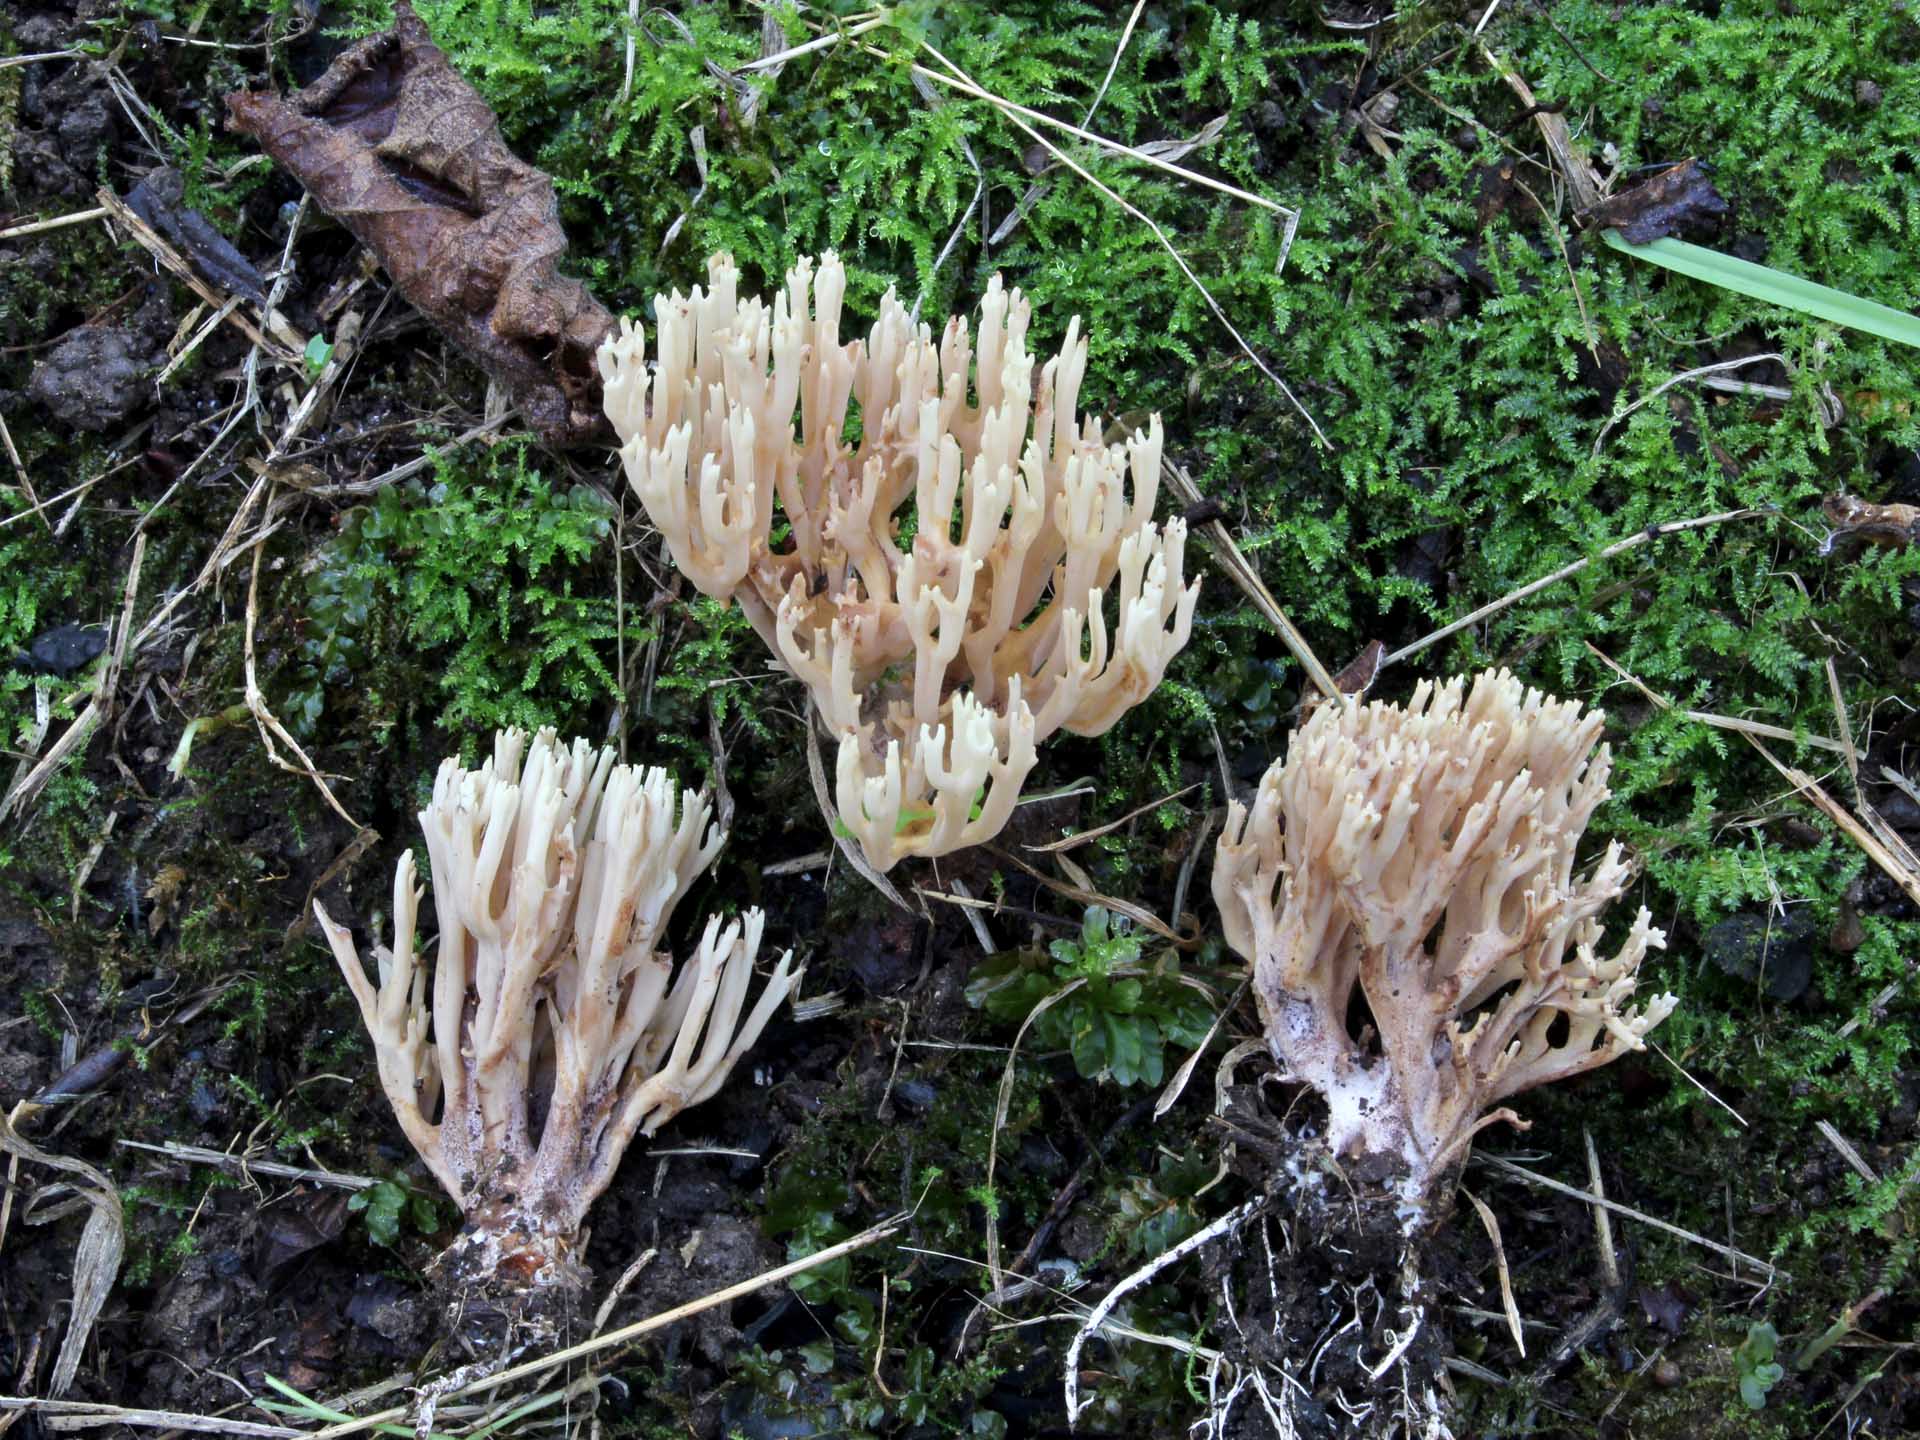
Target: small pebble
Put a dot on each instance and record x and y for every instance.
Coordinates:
(1666, 1374)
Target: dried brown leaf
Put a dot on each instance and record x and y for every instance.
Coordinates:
(1852, 517)
(1677, 197)
(395, 145)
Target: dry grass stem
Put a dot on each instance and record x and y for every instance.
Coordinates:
(1079, 838)
(98, 709)
(1602, 1222)
(1531, 1177)
(1665, 385)
(1719, 722)
(1240, 570)
(287, 346)
(1898, 863)
(55, 222)
(247, 1165)
(78, 1415)
(1512, 597)
(627, 1334)
(1511, 1306)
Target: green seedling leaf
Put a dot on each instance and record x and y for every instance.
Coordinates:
(319, 351)
(1759, 1371)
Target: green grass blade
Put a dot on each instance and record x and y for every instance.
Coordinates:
(1776, 287)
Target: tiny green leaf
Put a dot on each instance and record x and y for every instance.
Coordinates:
(318, 353)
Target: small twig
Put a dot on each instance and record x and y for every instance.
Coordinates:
(201, 1155)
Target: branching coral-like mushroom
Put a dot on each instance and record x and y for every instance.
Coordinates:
(546, 1033)
(939, 667)
(1424, 858)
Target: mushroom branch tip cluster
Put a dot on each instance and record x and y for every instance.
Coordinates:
(551, 1026)
(1036, 592)
(1422, 859)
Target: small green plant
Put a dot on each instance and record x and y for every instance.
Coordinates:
(319, 351)
(1113, 1014)
(386, 1207)
(1759, 1371)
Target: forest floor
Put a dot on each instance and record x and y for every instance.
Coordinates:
(273, 488)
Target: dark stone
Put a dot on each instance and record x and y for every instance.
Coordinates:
(383, 1305)
(94, 379)
(754, 1416)
(915, 1095)
(1774, 950)
(204, 1102)
(63, 650)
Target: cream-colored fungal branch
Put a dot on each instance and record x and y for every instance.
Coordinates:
(550, 1026)
(1422, 859)
(940, 663)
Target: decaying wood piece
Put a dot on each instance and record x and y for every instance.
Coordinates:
(401, 150)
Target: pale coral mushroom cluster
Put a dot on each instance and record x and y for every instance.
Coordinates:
(939, 663)
(1423, 857)
(551, 1026)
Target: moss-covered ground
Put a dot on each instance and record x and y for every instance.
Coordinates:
(1496, 395)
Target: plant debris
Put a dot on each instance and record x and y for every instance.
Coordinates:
(401, 150)
(1855, 519)
(1677, 198)
(160, 200)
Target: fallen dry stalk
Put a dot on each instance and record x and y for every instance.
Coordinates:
(1512, 597)
(627, 1334)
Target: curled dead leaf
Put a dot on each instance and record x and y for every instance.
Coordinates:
(96, 1263)
(395, 145)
